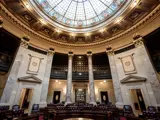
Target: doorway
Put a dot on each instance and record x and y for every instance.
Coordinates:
(26, 98)
(137, 100)
(80, 95)
(56, 97)
(104, 97)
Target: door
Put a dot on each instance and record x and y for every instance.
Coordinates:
(137, 100)
(26, 98)
(56, 97)
(80, 95)
(140, 99)
(104, 97)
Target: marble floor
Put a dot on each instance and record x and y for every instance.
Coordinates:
(78, 119)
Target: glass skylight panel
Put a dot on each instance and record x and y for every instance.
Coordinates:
(80, 13)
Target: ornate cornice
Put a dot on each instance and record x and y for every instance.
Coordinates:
(143, 22)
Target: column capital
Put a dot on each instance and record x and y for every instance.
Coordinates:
(70, 54)
(109, 51)
(138, 40)
(89, 53)
(25, 41)
(1, 21)
(51, 51)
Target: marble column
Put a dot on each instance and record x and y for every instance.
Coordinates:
(91, 79)
(115, 79)
(69, 79)
(46, 79)
(152, 82)
(10, 89)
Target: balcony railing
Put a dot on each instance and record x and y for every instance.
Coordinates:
(81, 72)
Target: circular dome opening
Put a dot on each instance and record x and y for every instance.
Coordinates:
(79, 15)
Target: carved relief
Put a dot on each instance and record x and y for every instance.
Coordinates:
(128, 64)
(34, 64)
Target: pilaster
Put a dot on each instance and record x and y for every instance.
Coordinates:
(115, 78)
(45, 83)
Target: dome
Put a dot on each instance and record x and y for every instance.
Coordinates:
(80, 15)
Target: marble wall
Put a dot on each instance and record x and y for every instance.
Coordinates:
(12, 91)
(143, 68)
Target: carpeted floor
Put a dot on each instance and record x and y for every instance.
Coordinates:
(78, 119)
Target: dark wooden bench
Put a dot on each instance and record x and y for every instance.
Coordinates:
(30, 117)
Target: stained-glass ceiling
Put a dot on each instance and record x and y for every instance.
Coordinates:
(79, 14)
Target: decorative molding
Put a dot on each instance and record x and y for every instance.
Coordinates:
(143, 22)
(32, 79)
(131, 79)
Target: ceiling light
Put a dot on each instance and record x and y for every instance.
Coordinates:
(119, 19)
(87, 34)
(104, 81)
(80, 73)
(58, 30)
(80, 57)
(43, 22)
(135, 2)
(56, 80)
(79, 89)
(79, 63)
(27, 5)
(73, 34)
(102, 30)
